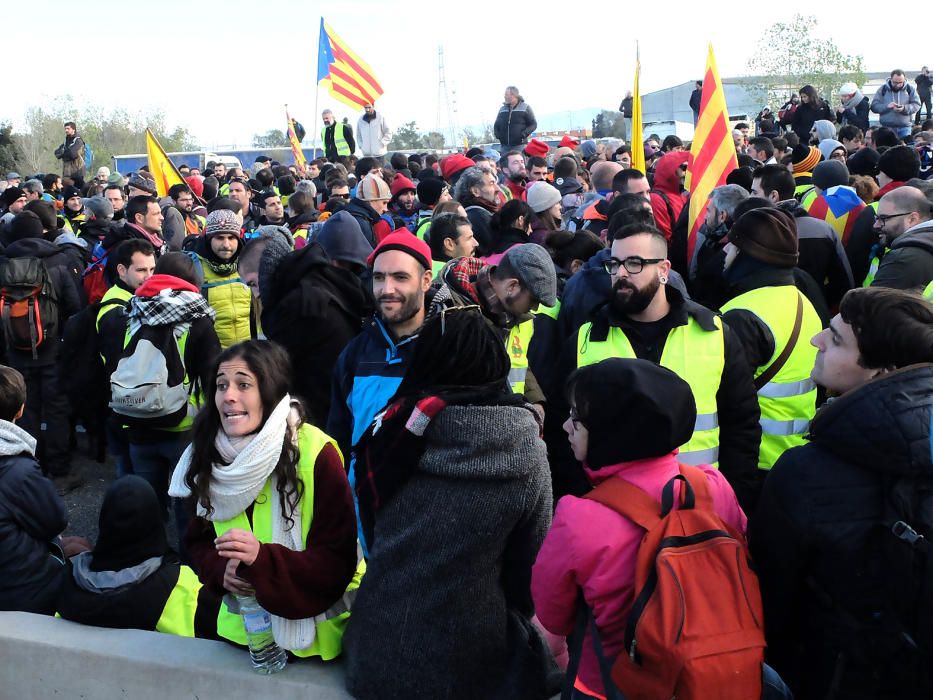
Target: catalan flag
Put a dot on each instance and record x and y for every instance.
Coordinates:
(161, 168)
(712, 155)
(296, 143)
(638, 148)
(343, 73)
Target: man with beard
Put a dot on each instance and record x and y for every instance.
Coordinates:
(403, 205)
(372, 133)
(523, 280)
(216, 259)
(512, 165)
(336, 138)
(371, 367)
(478, 192)
(649, 319)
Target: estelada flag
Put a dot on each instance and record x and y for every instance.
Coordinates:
(346, 76)
(160, 167)
(712, 154)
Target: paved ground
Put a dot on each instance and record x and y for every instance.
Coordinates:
(84, 503)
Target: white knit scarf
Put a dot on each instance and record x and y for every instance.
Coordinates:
(234, 486)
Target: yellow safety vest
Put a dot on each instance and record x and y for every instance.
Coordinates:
(115, 292)
(231, 300)
(340, 141)
(876, 259)
(516, 345)
(928, 292)
(178, 614)
(788, 401)
(330, 625)
(696, 355)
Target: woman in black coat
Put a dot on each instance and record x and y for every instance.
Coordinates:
(810, 109)
(842, 617)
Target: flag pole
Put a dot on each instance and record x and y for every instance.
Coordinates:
(317, 92)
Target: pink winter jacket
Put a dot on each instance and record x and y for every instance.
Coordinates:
(594, 548)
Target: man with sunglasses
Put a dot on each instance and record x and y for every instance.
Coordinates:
(905, 229)
(647, 318)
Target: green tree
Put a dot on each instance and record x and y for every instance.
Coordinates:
(486, 136)
(109, 133)
(406, 137)
(781, 67)
(273, 138)
(8, 150)
(433, 141)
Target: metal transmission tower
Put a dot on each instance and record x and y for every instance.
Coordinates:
(444, 101)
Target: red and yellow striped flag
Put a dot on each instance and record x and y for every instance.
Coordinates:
(635, 138)
(296, 144)
(343, 73)
(161, 168)
(712, 155)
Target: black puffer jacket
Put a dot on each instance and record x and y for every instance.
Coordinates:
(31, 515)
(514, 124)
(314, 309)
(818, 519)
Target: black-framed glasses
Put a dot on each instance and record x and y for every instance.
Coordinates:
(884, 218)
(450, 309)
(632, 264)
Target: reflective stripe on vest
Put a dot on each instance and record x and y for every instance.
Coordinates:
(517, 347)
(788, 402)
(178, 614)
(928, 292)
(329, 626)
(697, 356)
(873, 267)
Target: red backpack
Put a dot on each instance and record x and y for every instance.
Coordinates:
(696, 628)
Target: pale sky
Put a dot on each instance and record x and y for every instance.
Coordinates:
(226, 69)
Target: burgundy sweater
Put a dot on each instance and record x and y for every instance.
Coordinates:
(290, 584)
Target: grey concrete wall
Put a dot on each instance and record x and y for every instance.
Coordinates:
(43, 657)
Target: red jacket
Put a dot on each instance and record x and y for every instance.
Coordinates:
(593, 548)
(667, 181)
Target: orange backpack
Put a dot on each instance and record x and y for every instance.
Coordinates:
(696, 628)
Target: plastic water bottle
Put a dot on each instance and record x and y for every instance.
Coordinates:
(266, 655)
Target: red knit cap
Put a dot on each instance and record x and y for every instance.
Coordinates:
(405, 241)
(536, 147)
(453, 164)
(568, 142)
(400, 183)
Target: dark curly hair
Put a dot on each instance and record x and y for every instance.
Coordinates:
(272, 367)
(892, 328)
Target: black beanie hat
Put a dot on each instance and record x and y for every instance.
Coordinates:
(130, 526)
(899, 163)
(633, 409)
(26, 225)
(863, 162)
(767, 234)
(830, 173)
(69, 192)
(11, 194)
(429, 190)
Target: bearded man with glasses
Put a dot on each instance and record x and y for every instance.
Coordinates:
(648, 319)
(903, 256)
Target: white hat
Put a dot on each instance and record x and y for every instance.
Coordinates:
(541, 196)
(848, 89)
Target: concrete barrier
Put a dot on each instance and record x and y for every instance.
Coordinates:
(43, 657)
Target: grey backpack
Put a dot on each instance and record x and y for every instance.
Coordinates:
(150, 387)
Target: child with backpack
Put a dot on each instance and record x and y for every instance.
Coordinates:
(652, 602)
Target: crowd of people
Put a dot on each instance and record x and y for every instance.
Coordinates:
(488, 424)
